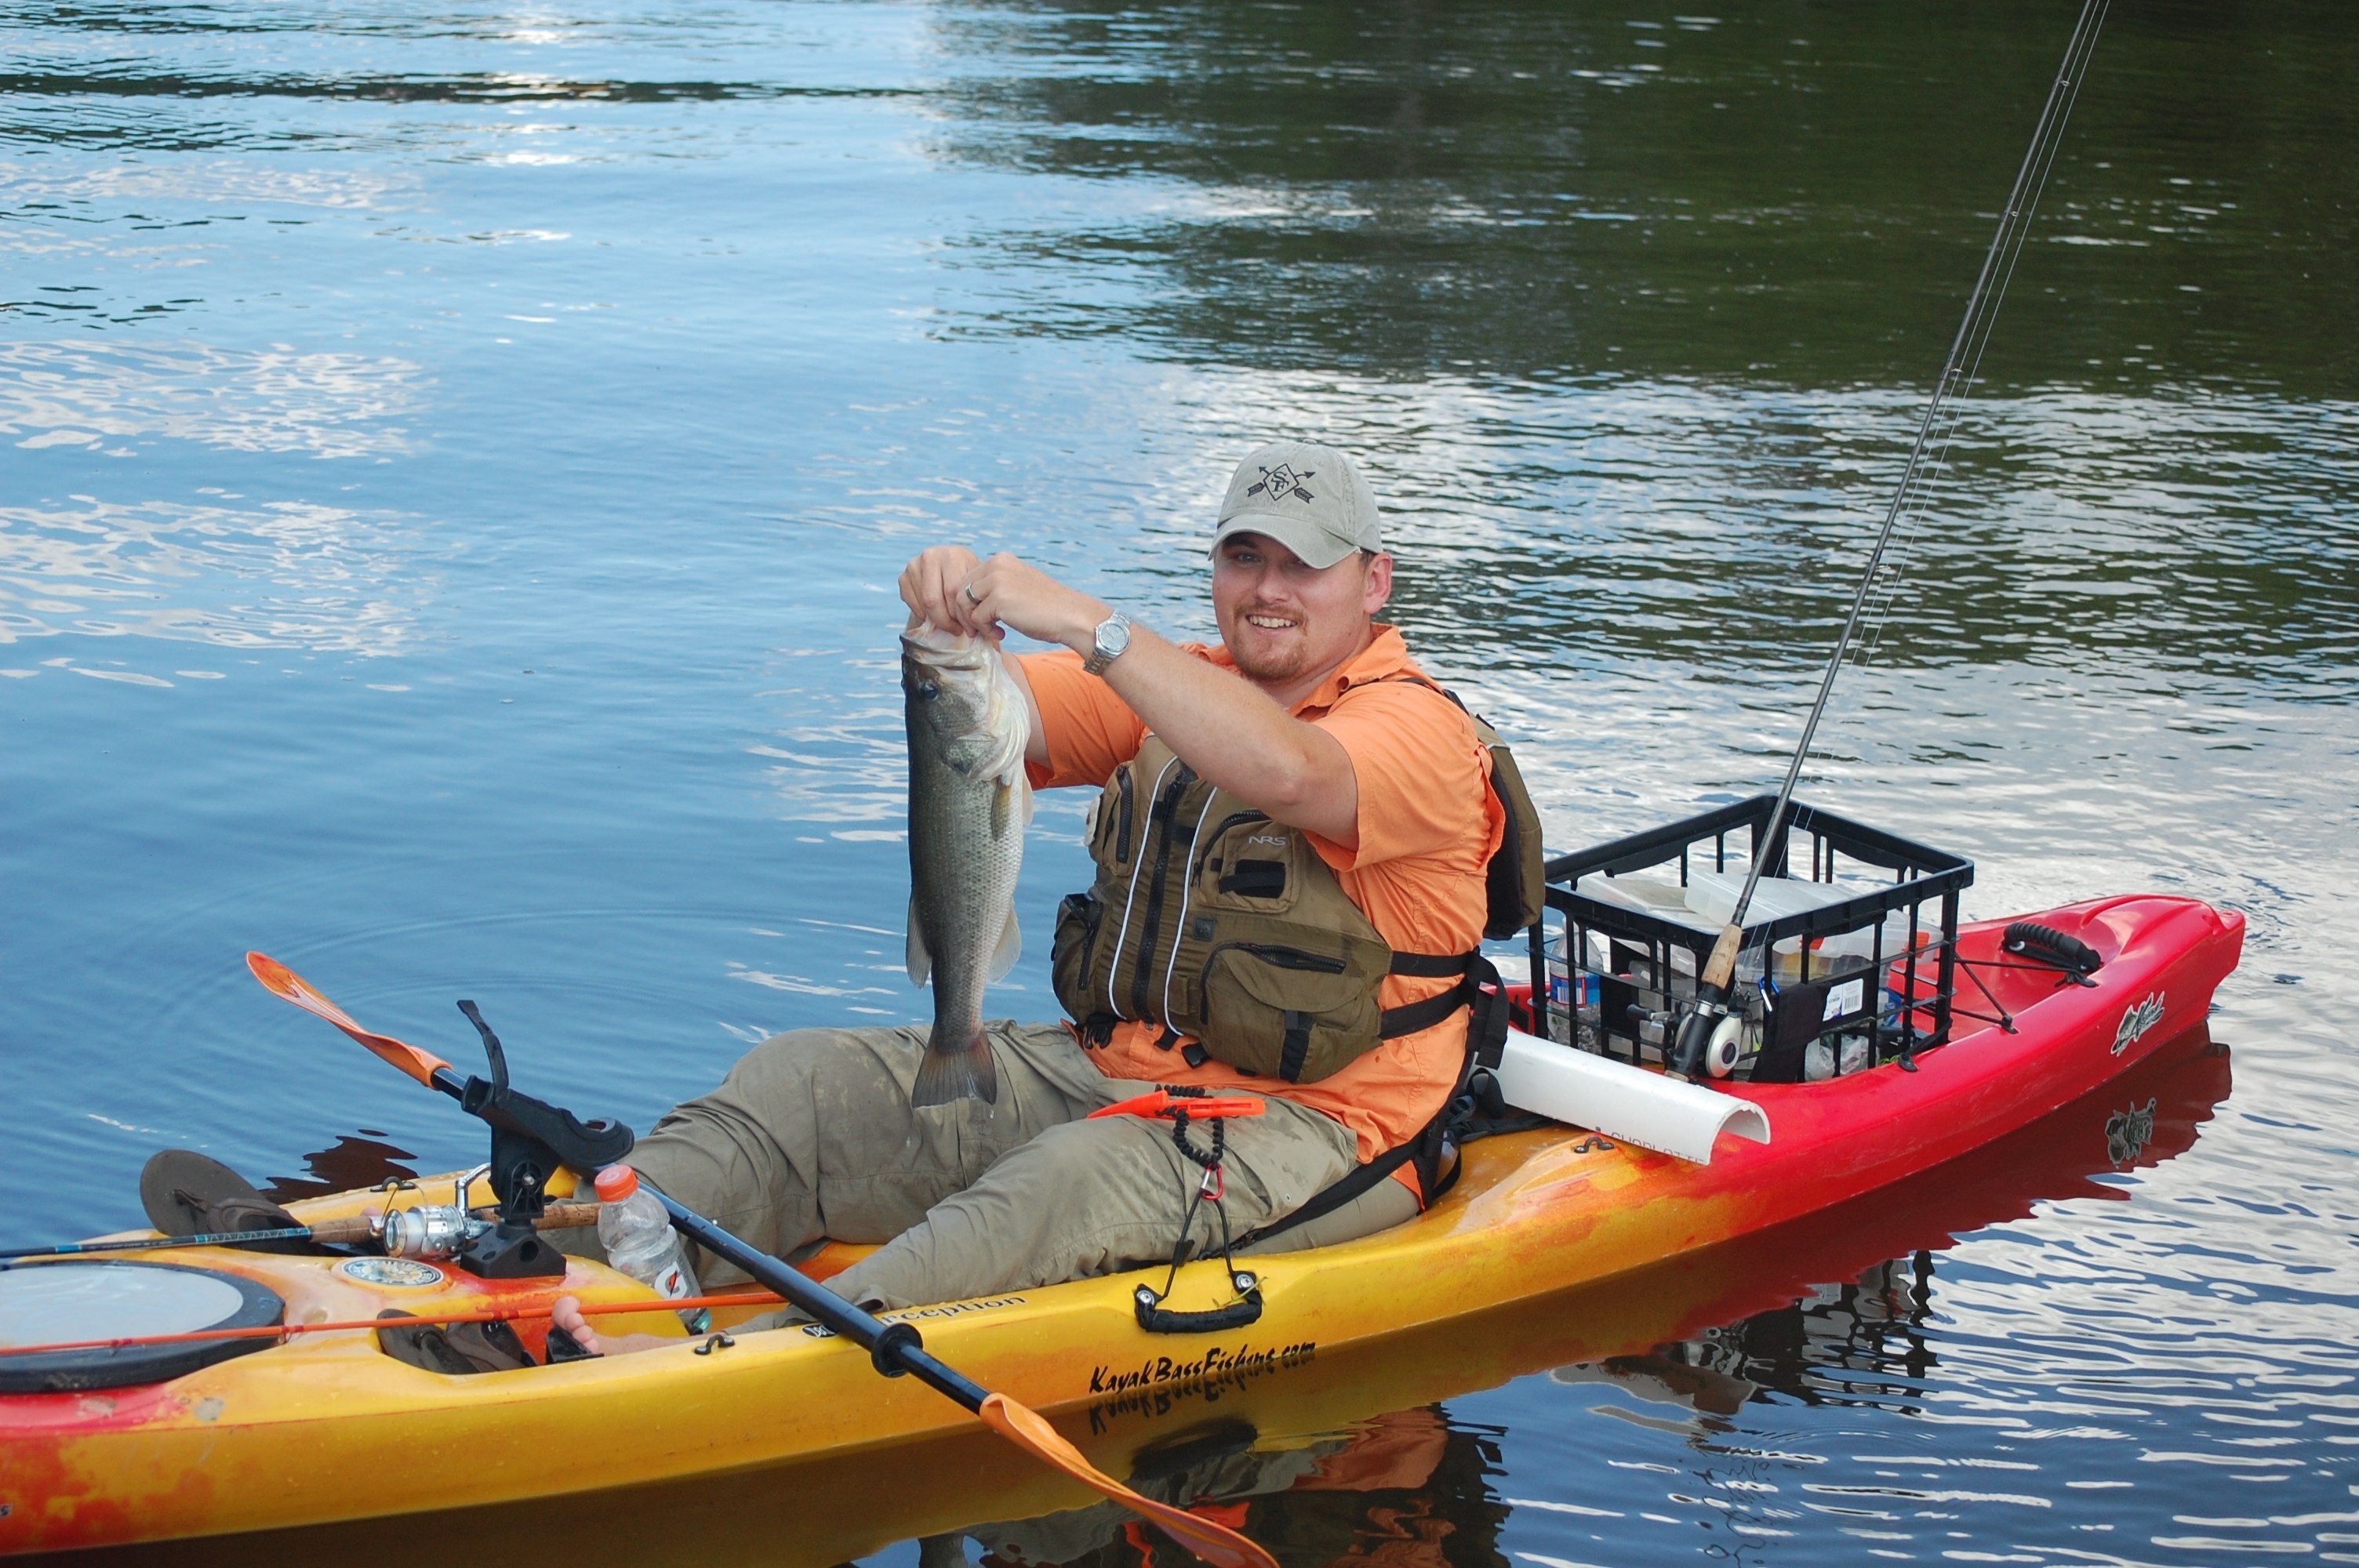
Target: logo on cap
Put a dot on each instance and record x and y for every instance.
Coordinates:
(1283, 480)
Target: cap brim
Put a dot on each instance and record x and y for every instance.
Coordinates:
(1318, 548)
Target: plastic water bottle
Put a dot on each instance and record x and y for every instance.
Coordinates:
(640, 1241)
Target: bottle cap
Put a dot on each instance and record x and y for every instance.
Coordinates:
(616, 1183)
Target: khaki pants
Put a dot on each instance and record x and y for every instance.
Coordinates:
(813, 1136)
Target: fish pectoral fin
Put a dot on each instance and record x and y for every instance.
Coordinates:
(921, 962)
(1010, 947)
(1003, 808)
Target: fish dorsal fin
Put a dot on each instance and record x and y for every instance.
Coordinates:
(921, 962)
(1010, 947)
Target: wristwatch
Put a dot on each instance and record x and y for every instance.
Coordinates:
(1107, 642)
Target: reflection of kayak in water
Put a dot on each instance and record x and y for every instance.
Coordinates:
(326, 1426)
(1867, 1319)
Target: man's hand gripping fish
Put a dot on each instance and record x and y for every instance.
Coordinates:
(969, 805)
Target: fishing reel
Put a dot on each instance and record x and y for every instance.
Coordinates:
(1710, 1042)
(432, 1233)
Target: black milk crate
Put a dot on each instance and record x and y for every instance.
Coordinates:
(1871, 974)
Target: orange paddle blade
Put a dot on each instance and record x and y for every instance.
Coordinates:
(285, 983)
(1215, 1544)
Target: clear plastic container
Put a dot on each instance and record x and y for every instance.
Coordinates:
(1664, 900)
(640, 1241)
(1711, 895)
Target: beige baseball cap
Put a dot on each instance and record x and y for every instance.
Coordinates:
(1308, 497)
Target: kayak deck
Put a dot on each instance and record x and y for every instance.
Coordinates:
(302, 1433)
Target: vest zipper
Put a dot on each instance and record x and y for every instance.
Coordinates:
(1269, 953)
(1165, 812)
(1231, 820)
(1294, 957)
(1123, 838)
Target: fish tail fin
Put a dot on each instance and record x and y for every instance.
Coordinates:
(951, 1072)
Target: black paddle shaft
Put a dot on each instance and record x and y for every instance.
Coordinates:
(894, 1348)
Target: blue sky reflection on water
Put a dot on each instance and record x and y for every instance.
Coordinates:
(455, 465)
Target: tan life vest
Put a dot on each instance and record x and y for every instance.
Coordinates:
(1228, 930)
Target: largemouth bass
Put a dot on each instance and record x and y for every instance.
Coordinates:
(969, 805)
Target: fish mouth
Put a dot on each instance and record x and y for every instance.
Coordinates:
(927, 645)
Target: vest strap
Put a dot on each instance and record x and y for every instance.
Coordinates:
(1431, 1148)
(1411, 1017)
(1433, 966)
(1295, 1049)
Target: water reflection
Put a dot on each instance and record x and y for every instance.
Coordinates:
(277, 399)
(1544, 191)
(362, 1159)
(282, 574)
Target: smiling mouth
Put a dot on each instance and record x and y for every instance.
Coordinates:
(1269, 622)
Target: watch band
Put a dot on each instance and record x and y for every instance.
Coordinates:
(1108, 642)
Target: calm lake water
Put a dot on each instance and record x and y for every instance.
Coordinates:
(454, 459)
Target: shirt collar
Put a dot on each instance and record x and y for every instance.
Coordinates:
(1385, 656)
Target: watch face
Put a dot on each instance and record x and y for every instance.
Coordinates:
(1112, 637)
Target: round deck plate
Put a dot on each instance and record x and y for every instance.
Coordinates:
(104, 1298)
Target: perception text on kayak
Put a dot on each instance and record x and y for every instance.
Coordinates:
(1244, 1361)
(926, 1314)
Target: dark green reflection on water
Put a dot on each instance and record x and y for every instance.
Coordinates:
(1789, 193)
(1685, 277)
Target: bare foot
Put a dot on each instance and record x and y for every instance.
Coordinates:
(566, 1313)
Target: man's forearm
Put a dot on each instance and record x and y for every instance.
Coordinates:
(1236, 736)
(1232, 733)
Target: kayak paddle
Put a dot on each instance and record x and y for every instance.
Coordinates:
(894, 1349)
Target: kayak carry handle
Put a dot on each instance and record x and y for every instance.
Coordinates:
(1156, 1318)
(2046, 944)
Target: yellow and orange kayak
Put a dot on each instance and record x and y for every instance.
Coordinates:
(326, 1426)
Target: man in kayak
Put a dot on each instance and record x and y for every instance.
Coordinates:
(1292, 845)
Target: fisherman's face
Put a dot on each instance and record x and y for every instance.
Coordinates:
(1286, 621)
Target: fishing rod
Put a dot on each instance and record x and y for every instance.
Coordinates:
(1708, 1018)
(357, 1229)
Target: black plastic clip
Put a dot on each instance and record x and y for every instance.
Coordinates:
(714, 1342)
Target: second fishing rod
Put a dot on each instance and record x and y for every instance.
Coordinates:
(1708, 1018)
